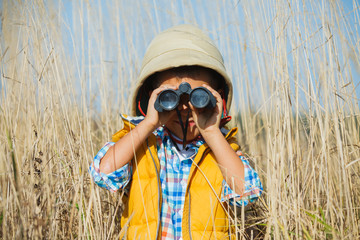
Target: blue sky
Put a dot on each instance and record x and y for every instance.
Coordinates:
(227, 22)
(109, 38)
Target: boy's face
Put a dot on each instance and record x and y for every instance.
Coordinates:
(169, 79)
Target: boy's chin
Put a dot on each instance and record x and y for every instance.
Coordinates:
(190, 136)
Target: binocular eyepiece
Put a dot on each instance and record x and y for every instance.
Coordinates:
(199, 97)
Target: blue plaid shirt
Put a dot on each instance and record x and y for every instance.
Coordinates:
(175, 167)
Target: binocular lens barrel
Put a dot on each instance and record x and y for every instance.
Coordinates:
(199, 98)
(168, 100)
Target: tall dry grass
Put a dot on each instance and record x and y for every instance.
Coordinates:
(67, 71)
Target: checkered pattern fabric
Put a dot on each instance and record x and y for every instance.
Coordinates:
(253, 187)
(112, 181)
(174, 172)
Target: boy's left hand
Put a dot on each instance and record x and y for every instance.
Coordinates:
(208, 120)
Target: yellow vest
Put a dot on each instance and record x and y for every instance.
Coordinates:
(204, 216)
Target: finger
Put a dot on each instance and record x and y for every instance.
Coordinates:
(219, 100)
(209, 87)
(213, 92)
(157, 91)
(169, 86)
(164, 87)
(195, 111)
(191, 106)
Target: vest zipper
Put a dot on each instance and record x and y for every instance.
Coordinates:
(188, 186)
(190, 217)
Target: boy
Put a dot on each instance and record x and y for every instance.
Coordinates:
(177, 166)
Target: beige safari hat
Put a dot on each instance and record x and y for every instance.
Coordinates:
(183, 45)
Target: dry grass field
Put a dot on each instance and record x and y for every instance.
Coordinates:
(68, 70)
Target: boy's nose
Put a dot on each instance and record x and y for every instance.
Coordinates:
(184, 103)
(183, 107)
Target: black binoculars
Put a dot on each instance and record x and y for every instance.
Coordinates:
(199, 97)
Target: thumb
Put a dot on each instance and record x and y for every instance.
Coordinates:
(194, 110)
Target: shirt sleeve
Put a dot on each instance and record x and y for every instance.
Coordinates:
(253, 187)
(114, 181)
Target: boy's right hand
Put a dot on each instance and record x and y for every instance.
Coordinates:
(154, 118)
(127, 146)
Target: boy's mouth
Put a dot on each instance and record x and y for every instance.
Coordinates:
(191, 122)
